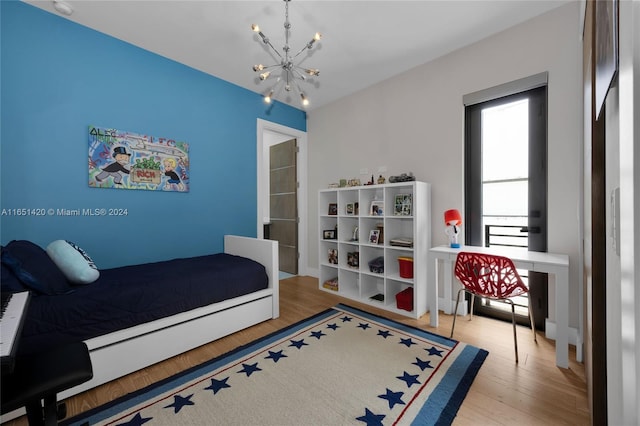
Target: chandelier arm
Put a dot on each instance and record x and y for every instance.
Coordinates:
(267, 41)
(296, 73)
(306, 47)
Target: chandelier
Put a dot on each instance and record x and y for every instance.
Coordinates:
(289, 72)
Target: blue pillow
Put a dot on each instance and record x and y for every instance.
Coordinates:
(8, 280)
(34, 268)
(73, 261)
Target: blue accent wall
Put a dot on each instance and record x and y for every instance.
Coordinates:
(57, 78)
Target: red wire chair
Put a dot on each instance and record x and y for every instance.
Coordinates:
(493, 277)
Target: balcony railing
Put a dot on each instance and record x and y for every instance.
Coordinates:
(508, 236)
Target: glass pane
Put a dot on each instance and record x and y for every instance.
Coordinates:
(505, 198)
(505, 141)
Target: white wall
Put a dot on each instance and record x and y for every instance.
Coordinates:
(415, 122)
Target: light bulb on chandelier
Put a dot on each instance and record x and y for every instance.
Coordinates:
(289, 71)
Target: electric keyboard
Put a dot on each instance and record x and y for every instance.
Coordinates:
(12, 313)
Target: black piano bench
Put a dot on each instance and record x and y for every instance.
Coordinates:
(42, 376)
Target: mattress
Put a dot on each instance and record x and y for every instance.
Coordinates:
(128, 296)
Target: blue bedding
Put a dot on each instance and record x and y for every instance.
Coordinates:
(127, 296)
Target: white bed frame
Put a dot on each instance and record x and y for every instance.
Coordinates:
(117, 354)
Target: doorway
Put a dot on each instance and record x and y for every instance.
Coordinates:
(283, 204)
(506, 188)
(271, 139)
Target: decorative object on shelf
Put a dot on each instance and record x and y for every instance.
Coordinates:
(404, 299)
(378, 297)
(334, 185)
(343, 183)
(453, 220)
(404, 177)
(333, 209)
(373, 236)
(353, 259)
(381, 180)
(402, 206)
(380, 227)
(356, 208)
(290, 72)
(377, 208)
(354, 182)
(331, 284)
(377, 265)
(355, 234)
(405, 267)
(333, 256)
(371, 182)
(329, 234)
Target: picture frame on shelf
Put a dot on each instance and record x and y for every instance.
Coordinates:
(350, 209)
(374, 235)
(403, 205)
(353, 259)
(333, 256)
(333, 209)
(377, 208)
(329, 234)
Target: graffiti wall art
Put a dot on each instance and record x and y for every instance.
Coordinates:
(120, 159)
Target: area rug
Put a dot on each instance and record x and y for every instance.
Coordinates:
(342, 366)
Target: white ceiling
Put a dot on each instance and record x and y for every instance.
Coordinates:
(364, 42)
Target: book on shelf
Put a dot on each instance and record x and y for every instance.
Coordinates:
(402, 242)
(331, 284)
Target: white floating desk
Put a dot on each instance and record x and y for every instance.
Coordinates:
(557, 264)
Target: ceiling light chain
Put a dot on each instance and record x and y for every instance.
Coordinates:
(290, 70)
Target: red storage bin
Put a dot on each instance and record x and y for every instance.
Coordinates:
(404, 299)
(406, 267)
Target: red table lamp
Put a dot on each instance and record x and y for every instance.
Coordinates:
(453, 220)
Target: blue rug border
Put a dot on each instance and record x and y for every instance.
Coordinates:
(447, 414)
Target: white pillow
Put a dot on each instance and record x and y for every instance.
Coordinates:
(74, 262)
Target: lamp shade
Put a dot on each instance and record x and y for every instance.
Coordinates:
(454, 216)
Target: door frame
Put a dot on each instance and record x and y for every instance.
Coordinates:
(268, 134)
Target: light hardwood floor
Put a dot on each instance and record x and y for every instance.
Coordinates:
(533, 392)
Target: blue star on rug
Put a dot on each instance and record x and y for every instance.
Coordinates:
(216, 385)
(407, 342)
(363, 326)
(409, 379)
(371, 419)
(275, 356)
(249, 369)
(393, 398)
(434, 351)
(346, 319)
(137, 420)
(179, 402)
(317, 334)
(384, 333)
(333, 326)
(298, 343)
(422, 364)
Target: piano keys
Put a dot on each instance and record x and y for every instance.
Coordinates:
(12, 314)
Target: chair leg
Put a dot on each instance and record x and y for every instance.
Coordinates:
(513, 322)
(455, 312)
(473, 302)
